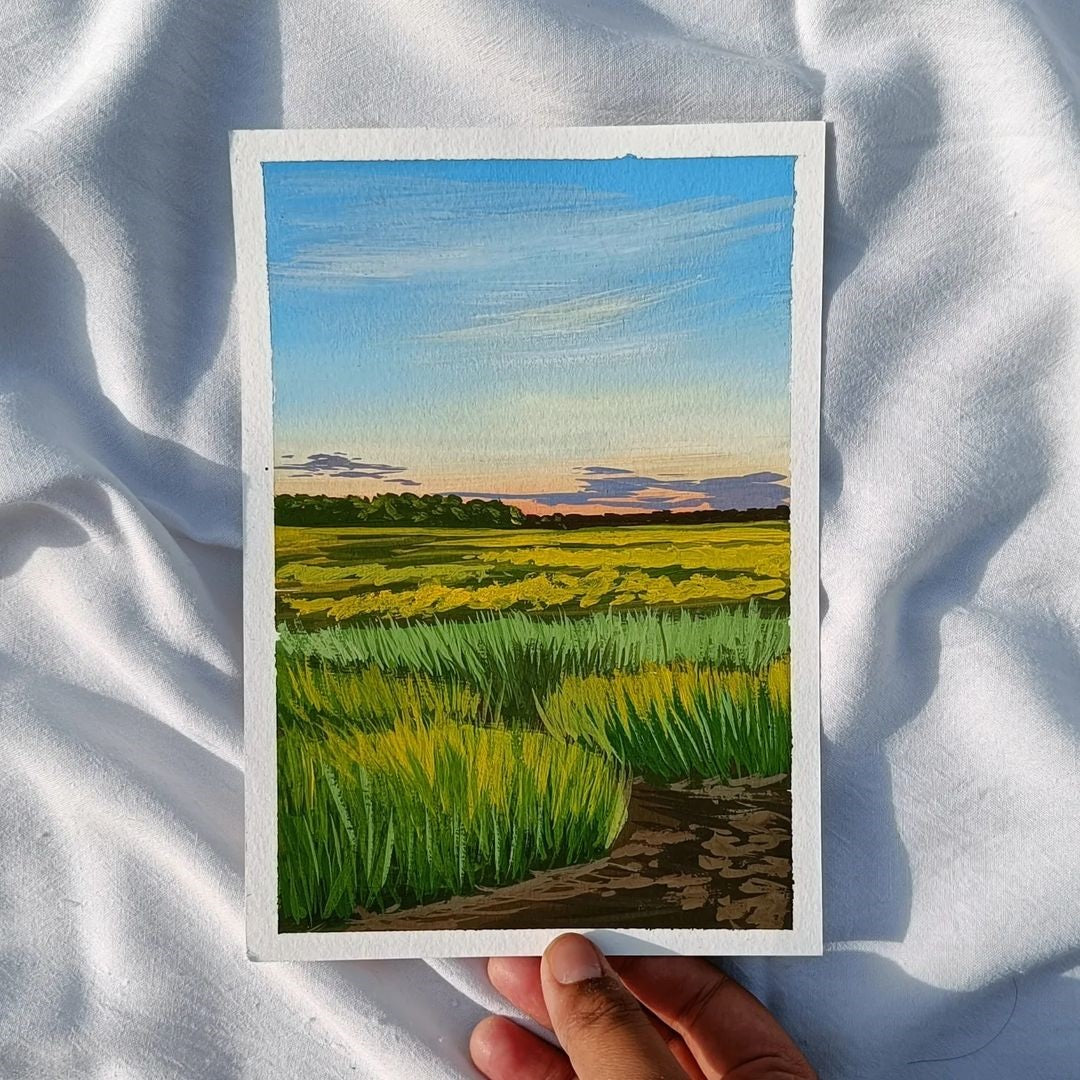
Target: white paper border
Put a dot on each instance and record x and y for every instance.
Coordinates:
(803, 140)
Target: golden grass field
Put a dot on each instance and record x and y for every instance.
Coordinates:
(334, 575)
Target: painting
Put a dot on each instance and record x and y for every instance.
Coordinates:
(523, 426)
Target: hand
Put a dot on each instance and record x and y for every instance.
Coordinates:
(630, 1018)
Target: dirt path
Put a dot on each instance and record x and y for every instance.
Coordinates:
(718, 857)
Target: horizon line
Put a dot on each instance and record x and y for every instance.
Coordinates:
(525, 504)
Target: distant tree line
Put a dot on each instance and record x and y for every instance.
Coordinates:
(406, 509)
(396, 508)
(656, 517)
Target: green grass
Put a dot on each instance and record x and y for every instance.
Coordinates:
(423, 761)
(416, 814)
(315, 699)
(679, 722)
(512, 660)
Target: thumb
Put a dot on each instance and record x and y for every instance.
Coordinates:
(598, 1021)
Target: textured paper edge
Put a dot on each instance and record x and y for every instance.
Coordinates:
(803, 140)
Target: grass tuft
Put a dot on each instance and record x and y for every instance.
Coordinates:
(679, 722)
(315, 698)
(415, 814)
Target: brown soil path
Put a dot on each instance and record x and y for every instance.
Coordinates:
(715, 857)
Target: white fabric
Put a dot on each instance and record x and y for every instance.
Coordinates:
(951, 686)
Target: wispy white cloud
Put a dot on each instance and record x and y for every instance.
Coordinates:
(580, 315)
(540, 276)
(394, 242)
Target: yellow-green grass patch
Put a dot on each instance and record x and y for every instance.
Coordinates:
(415, 814)
(674, 722)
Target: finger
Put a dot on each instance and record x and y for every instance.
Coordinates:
(724, 1025)
(517, 978)
(503, 1051)
(601, 1027)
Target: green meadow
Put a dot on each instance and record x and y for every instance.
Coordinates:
(461, 708)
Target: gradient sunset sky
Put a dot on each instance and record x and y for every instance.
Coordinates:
(582, 336)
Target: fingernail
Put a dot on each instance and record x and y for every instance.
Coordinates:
(573, 959)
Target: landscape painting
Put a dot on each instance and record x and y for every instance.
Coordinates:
(532, 501)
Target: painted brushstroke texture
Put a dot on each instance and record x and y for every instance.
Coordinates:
(594, 336)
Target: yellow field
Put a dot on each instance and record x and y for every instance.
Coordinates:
(342, 574)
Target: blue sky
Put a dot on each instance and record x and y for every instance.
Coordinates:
(583, 335)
